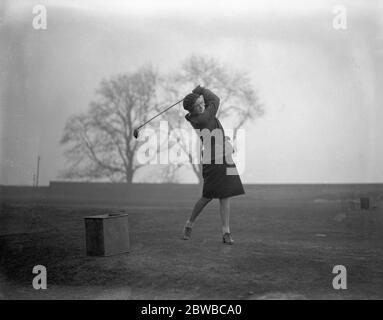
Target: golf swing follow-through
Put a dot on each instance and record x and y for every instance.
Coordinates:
(135, 132)
(202, 106)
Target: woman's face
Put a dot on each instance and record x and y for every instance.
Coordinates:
(199, 105)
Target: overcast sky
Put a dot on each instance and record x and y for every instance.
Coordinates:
(320, 87)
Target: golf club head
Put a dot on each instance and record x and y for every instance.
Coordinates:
(135, 133)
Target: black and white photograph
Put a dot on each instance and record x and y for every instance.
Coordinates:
(206, 152)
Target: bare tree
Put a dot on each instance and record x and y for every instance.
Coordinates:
(100, 142)
(239, 101)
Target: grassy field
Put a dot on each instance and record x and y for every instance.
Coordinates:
(284, 249)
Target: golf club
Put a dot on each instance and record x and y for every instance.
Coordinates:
(135, 132)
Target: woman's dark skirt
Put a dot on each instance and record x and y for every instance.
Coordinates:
(218, 184)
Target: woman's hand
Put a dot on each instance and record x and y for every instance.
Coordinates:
(198, 90)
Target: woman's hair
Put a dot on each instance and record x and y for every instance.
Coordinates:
(189, 101)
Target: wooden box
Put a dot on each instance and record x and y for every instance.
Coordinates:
(107, 234)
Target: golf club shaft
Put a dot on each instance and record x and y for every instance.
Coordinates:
(160, 113)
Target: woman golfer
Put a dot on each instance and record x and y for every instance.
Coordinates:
(202, 105)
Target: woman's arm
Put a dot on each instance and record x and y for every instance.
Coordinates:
(211, 102)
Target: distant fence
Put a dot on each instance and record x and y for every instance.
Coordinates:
(123, 193)
(23, 192)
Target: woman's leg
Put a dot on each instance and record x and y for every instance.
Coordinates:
(198, 207)
(225, 214)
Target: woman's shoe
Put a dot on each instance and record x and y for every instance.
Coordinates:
(187, 233)
(227, 239)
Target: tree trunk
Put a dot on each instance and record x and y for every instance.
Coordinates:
(129, 176)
